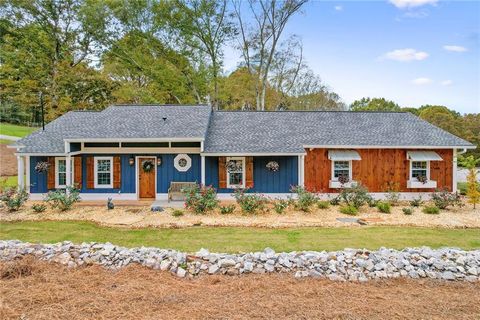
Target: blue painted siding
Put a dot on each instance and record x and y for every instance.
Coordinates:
(166, 173)
(38, 181)
(264, 181)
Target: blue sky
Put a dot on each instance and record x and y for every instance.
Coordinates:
(413, 52)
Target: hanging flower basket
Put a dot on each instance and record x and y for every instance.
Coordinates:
(273, 166)
(42, 167)
(147, 165)
(234, 166)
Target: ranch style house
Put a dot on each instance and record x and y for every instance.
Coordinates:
(136, 152)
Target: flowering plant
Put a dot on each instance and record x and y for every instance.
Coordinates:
(273, 166)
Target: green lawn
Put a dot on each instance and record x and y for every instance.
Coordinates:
(15, 130)
(243, 239)
(9, 182)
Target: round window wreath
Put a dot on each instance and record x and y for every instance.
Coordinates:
(147, 165)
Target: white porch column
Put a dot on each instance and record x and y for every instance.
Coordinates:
(301, 171)
(202, 169)
(454, 173)
(20, 172)
(27, 173)
(68, 170)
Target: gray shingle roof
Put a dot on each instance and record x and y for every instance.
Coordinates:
(139, 122)
(242, 132)
(287, 132)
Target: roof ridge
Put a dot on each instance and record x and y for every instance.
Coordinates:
(302, 111)
(156, 105)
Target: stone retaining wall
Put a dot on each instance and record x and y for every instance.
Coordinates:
(348, 264)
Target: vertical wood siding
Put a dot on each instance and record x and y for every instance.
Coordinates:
(264, 181)
(377, 168)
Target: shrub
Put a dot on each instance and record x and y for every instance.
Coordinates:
(39, 207)
(350, 210)
(200, 199)
(323, 204)
(372, 203)
(13, 198)
(355, 196)
(177, 213)
(335, 201)
(443, 199)
(407, 211)
(227, 209)
(250, 203)
(431, 210)
(305, 199)
(416, 202)
(472, 190)
(63, 199)
(392, 193)
(384, 207)
(280, 206)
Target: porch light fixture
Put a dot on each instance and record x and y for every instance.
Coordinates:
(131, 160)
(159, 161)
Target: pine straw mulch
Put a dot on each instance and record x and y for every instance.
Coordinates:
(31, 289)
(140, 217)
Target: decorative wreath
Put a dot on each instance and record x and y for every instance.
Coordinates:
(42, 167)
(233, 166)
(147, 165)
(273, 166)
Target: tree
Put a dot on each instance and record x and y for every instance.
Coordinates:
(205, 26)
(258, 41)
(473, 193)
(374, 104)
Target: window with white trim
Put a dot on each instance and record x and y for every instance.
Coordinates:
(419, 170)
(341, 169)
(236, 172)
(61, 172)
(103, 172)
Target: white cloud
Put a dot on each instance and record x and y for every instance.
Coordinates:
(407, 4)
(455, 48)
(338, 8)
(421, 81)
(406, 55)
(446, 82)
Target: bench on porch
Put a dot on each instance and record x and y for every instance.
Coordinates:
(176, 189)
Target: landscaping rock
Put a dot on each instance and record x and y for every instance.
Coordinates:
(349, 265)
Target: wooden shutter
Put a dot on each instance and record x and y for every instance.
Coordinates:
(117, 172)
(77, 172)
(222, 172)
(249, 172)
(51, 173)
(90, 173)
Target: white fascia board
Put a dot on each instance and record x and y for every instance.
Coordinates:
(254, 154)
(139, 139)
(42, 154)
(15, 146)
(383, 147)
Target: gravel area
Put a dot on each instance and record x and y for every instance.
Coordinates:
(465, 217)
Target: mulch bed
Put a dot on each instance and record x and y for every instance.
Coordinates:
(31, 289)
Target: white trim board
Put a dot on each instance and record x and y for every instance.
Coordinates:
(383, 147)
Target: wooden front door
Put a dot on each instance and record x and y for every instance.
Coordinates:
(146, 180)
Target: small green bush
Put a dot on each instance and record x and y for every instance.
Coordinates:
(323, 204)
(335, 201)
(393, 194)
(431, 210)
(384, 207)
(372, 203)
(280, 206)
(200, 199)
(227, 209)
(39, 207)
(407, 211)
(416, 202)
(13, 198)
(350, 210)
(63, 199)
(305, 199)
(355, 196)
(177, 213)
(250, 203)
